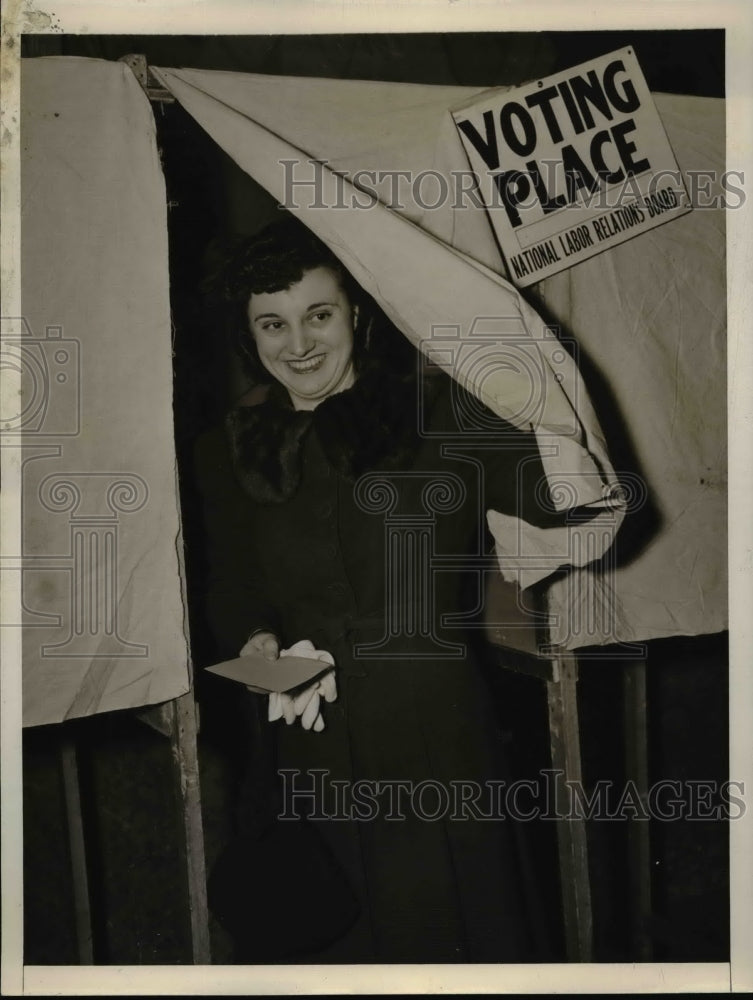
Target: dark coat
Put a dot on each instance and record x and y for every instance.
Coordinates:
(362, 529)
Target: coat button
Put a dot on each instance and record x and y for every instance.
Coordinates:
(325, 510)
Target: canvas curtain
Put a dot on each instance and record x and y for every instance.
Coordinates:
(647, 318)
(103, 612)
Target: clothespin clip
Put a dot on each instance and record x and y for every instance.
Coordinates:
(146, 78)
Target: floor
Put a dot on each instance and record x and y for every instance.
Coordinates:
(132, 823)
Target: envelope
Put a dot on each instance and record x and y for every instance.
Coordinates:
(266, 676)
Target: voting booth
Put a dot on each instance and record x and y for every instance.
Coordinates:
(624, 341)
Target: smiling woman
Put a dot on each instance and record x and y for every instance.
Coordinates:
(304, 336)
(327, 494)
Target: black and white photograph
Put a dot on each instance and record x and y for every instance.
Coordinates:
(376, 557)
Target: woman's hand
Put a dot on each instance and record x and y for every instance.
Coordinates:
(267, 644)
(305, 703)
(264, 644)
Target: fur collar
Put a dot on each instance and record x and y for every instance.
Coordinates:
(372, 425)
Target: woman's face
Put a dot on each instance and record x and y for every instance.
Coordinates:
(304, 336)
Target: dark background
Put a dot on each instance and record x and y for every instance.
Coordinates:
(130, 807)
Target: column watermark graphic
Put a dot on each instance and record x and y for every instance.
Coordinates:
(410, 549)
(94, 503)
(71, 519)
(517, 421)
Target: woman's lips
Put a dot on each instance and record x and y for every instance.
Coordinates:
(306, 365)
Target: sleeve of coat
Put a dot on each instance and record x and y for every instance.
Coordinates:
(507, 457)
(237, 600)
(515, 482)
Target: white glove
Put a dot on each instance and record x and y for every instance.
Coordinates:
(307, 702)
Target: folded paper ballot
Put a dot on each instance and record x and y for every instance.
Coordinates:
(266, 676)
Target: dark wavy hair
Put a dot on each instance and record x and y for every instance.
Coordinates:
(278, 257)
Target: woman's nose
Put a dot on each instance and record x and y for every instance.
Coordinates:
(300, 342)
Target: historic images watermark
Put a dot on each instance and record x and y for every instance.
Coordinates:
(546, 797)
(72, 518)
(525, 375)
(48, 402)
(431, 190)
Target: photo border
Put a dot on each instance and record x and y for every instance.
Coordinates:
(325, 16)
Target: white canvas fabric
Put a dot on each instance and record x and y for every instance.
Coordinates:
(461, 313)
(102, 591)
(648, 318)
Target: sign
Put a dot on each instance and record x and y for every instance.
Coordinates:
(571, 165)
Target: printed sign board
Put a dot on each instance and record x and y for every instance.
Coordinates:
(571, 165)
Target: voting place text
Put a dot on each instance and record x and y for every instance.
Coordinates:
(571, 165)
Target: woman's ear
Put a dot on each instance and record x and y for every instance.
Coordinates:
(355, 316)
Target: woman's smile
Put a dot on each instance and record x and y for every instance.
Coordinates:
(307, 365)
(304, 336)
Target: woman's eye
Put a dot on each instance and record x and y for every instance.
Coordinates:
(272, 326)
(320, 317)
